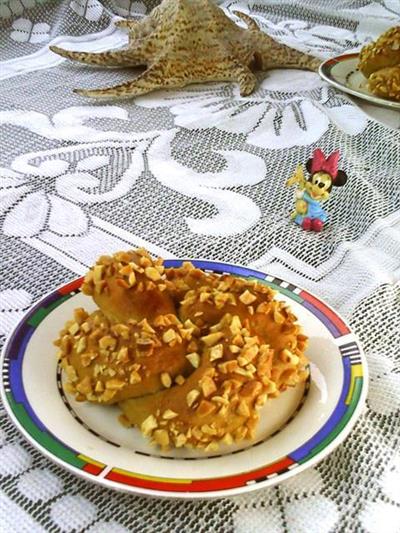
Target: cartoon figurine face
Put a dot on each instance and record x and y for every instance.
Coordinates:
(319, 186)
(320, 183)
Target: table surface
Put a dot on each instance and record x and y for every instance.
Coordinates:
(200, 172)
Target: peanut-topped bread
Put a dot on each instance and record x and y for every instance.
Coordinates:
(182, 279)
(129, 285)
(107, 362)
(219, 401)
(380, 63)
(189, 356)
(257, 311)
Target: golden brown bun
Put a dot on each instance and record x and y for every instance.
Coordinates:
(386, 83)
(218, 403)
(189, 356)
(258, 311)
(107, 362)
(184, 278)
(383, 53)
(129, 285)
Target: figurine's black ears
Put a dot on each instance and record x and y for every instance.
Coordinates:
(340, 179)
(308, 165)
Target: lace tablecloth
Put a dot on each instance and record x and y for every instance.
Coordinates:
(200, 172)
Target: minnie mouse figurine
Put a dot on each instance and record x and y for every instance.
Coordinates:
(314, 190)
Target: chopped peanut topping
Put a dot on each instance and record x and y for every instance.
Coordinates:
(161, 437)
(166, 380)
(270, 387)
(148, 425)
(74, 328)
(227, 439)
(236, 325)
(263, 307)
(180, 440)
(192, 396)
(87, 358)
(152, 273)
(223, 410)
(107, 342)
(204, 297)
(126, 270)
(220, 399)
(211, 447)
(69, 388)
(242, 372)
(121, 330)
(100, 285)
(115, 384)
(146, 326)
(98, 272)
(251, 389)
(240, 433)
(169, 414)
(80, 315)
(205, 408)
(161, 320)
(212, 338)
(208, 430)
(86, 327)
(243, 409)
(71, 373)
(169, 336)
(216, 352)
(288, 357)
(207, 386)
(247, 298)
(250, 352)
(237, 340)
(134, 378)
(179, 380)
(261, 400)
(194, 359)
(84, 386)
(132, 279)
(123, 355)
(278, 317)
(108, 395)
(228, 366)
(99, 386)
(242, 361)
(81, 346)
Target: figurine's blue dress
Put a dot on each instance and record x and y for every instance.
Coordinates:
(314, 210)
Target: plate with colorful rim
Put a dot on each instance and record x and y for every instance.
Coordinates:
(342, 73)
(297, 429)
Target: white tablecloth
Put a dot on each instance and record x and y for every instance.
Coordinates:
(200, 172)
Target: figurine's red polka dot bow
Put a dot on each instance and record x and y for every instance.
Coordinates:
(325, 164)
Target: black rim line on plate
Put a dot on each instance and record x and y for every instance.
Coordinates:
(372, 98)
(98, 435)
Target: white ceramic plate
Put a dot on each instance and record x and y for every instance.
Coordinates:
(296, 430)
(342, 73)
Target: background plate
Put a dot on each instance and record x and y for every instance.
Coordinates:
(342, 73)
(296, 430)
